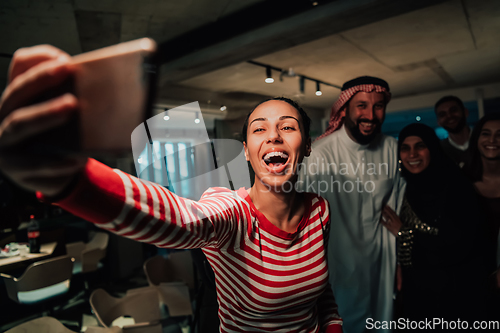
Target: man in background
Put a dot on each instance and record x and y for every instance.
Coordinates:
(452, 116)
(355, 167)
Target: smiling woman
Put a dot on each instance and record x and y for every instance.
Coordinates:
(276, 141)
(275, 144)
(484, 171)
(414, 154)
(439, 233)
(265, 245)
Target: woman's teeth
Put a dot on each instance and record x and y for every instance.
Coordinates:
(280, 154)
(414, 163)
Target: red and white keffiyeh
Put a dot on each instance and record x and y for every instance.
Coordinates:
(349, 90)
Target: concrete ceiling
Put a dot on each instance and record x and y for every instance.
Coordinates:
(417, 46)
(449, 45)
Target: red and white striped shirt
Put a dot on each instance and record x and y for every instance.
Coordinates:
(267, 279)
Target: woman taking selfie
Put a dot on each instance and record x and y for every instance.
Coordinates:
(439, 233)
(265, 244)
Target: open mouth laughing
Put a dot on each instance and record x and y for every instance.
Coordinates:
(276, 160)
(367, 126)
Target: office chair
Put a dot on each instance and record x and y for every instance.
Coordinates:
(42, 280)
(88, 255)
(168, 277)
(142, 304)
(52, 325)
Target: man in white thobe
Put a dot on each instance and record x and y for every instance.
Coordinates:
(355, 168)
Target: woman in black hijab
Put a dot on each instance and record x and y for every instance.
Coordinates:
(438, 233)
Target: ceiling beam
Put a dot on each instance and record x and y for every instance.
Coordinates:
(233, 39)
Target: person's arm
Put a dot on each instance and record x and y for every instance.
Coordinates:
(34, 72)
(148, 212)
(329, 317)
(113, 200)
(391, 220)
(453, 235)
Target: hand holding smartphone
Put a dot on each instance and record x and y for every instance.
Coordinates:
(115, 88)
(54, 108)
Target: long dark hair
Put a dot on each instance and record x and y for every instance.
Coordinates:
(474, 167)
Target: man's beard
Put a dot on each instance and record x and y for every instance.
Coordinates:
(361, 138)
(459, 127)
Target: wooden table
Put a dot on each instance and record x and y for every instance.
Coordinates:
(9, 263)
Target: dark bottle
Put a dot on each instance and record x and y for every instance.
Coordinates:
(34, 235)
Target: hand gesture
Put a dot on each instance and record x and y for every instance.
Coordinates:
(33, 72)
(390, 220)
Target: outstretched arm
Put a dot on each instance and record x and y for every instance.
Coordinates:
(113, 200)
(328, 313)
(148, 212)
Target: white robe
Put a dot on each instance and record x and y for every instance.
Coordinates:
(358, 180)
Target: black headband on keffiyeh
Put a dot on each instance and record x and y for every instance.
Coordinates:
(349, 89)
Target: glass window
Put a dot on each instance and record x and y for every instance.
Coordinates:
(178, 168)
(183, 161)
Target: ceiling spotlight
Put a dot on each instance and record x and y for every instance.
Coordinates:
(318, 90)
(197, 119)
(302, 82)
(314, 3)
(269, 77)
(418, 118)
(223, 108)
(166, 115)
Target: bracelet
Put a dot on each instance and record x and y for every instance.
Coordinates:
(405, 233)
(405, 242)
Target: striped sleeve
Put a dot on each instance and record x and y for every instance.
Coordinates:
(148, 212)
(329, 317)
